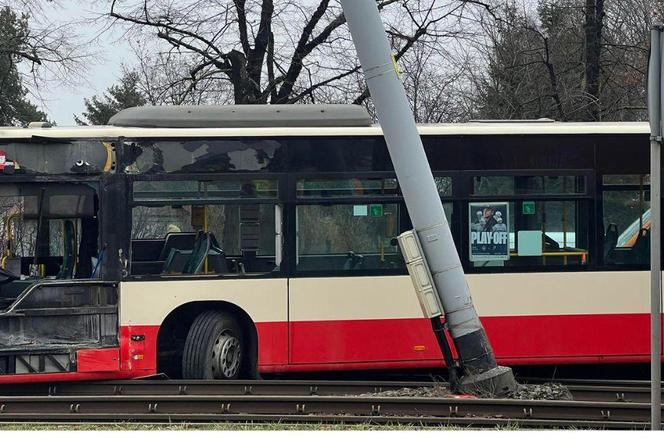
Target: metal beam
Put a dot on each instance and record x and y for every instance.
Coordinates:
(655, 111)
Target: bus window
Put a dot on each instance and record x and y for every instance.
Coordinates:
(528, 185)
(347, 238)
(48, 230)
(361, 187)
(529, 221)
(528, 233)
(181, 190)
(352, 187)
(626, 219)
(226, 238)
(198, 155)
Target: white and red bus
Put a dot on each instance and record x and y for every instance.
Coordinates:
(262, 240)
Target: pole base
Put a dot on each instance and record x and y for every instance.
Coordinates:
(496, 382)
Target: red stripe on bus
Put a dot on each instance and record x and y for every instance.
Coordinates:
(362, 341)
(550, 339)
(388, 344)
(95, 360)
(272, 343)
(562, 337)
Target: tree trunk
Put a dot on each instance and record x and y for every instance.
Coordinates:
(594, 13)
(245, 89)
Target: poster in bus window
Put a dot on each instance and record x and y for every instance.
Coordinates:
(489, 231)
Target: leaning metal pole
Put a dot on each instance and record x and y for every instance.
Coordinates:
(655, 111)
(480, 371)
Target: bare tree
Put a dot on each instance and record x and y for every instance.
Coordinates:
(163, 79)
(567, 59)
(50, 51)
(594, 24)
(270, 52)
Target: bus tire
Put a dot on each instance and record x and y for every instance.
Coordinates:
(213, 348)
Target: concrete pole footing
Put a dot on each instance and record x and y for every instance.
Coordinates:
(496, 382)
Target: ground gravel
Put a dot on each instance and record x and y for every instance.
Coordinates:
(435, 391)
(548, 391)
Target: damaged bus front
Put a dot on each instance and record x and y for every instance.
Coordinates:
(58, 294)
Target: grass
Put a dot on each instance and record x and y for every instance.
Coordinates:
(213, 427)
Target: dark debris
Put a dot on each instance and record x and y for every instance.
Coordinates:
(548, 391)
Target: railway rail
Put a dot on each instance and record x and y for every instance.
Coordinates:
(613, 405)
(581, 390)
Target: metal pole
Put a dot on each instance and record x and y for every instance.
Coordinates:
(423, 201)
(655, 113)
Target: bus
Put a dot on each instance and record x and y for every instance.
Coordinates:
(227, 242)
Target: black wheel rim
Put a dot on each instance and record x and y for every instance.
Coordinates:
(226, 357)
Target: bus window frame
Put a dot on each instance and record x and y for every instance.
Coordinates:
(279, 177)
(601, 188)
(95, 180)
(589, 196)
(293, 201)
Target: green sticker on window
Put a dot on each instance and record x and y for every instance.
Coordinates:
(376, 210)
(528, 207)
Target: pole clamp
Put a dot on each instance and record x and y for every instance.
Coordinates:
(378, 71)
(657, 138)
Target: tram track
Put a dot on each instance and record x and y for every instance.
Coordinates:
(617, 405)
(339, 409)
(581, 390)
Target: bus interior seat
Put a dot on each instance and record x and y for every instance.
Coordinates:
(198, 254)
(150, 256)
(87, 248)
(177, 240)
(550, 244)
(354, 261)
(217, 260)
(610, 239)
(217, 257)
(146, 249)
(176, 261)
(640, 253)
(69, 236)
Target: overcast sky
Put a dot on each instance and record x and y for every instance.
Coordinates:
(61, 103)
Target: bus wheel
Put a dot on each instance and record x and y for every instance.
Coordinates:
(213, 348)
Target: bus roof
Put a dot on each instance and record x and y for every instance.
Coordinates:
(247, 115)
(472, 128)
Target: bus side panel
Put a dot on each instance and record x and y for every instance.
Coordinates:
(560, 337)
(138, 349)
(357, 320)
(105, 359)
(144, 305)
(564, 315)
(530, 318)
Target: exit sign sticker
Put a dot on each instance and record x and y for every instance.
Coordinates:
(376, 210)
(528, 207)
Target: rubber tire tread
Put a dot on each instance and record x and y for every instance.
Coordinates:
(200, 339)
(193, 344)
